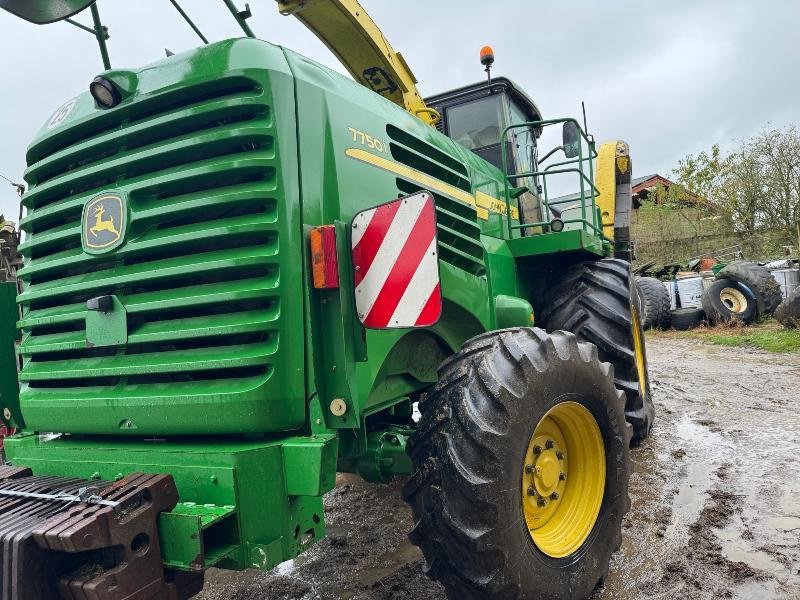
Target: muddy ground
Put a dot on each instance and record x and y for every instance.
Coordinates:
(715, 493)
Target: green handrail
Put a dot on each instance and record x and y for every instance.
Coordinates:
(552, 170)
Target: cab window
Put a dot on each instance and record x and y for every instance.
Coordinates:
(524, 141)
(477, 124)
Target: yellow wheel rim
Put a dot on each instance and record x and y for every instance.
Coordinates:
(563, 479)
(638, 349)
(733, 299)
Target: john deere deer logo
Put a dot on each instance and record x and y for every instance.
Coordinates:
(99, 224)
(103, 223)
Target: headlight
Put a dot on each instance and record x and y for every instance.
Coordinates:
(104, 92)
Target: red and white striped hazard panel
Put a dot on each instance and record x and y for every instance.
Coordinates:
(397, 264)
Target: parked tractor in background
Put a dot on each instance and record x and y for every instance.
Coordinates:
(242, 272)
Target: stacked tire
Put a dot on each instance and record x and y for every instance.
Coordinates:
(743, 291)
(655, 303)
(684, 319)
(788, 311)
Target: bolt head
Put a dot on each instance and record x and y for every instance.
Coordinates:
(542, 502)
(529, 469)
(531, 491)
(562, 477)
(554, 496)
(549, 444)
(560, 455)
(537, 449)
(338, 407)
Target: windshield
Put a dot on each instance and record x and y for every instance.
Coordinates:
(477, 124)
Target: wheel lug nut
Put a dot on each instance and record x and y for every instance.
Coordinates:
(560, 455)
(531, 491)
(542, 502)
(550, 444)
(554, 496)
(529, 469)
(562, 477)
(537, 449)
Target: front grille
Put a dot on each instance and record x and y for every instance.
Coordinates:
(457, 229)
(198, 274)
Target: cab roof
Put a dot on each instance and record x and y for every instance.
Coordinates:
(485, 88)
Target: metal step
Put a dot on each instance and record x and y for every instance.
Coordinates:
(86, 540)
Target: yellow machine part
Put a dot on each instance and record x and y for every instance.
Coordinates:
(351, 34)
(563, 479)
(613, 165)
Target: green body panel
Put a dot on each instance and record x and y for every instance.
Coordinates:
(553, 243)
(9, 390)
(218, 360)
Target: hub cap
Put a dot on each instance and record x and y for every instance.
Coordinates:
(733, 299)
(563, 479)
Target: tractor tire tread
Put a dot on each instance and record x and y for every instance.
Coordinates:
(459, 486)
(593, 301)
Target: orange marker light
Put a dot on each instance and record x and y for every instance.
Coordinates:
(324, 262)
(487, 56)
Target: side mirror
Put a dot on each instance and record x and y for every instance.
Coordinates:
(571, 139)
(44, 11)
(396, 264)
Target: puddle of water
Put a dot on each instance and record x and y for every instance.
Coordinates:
(688, 502)
(762, 590)
(388, 563)
(734, 548)
(790, 505)
(705, 450)
(783, 523)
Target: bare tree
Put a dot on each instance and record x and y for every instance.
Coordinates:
(756, 187)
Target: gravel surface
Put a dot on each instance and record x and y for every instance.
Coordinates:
(715, 492)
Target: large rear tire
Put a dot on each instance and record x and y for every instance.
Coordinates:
(597, 301)
(511, 412)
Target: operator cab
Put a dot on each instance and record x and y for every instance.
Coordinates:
(475, 117)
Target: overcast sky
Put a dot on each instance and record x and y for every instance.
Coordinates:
(670, 78)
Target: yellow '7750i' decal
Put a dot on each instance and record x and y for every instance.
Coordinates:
(482, 203)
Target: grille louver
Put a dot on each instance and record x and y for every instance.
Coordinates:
(199, 271)
(457, 230)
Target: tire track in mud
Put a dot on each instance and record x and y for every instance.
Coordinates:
(715, 499)
(718, 483)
